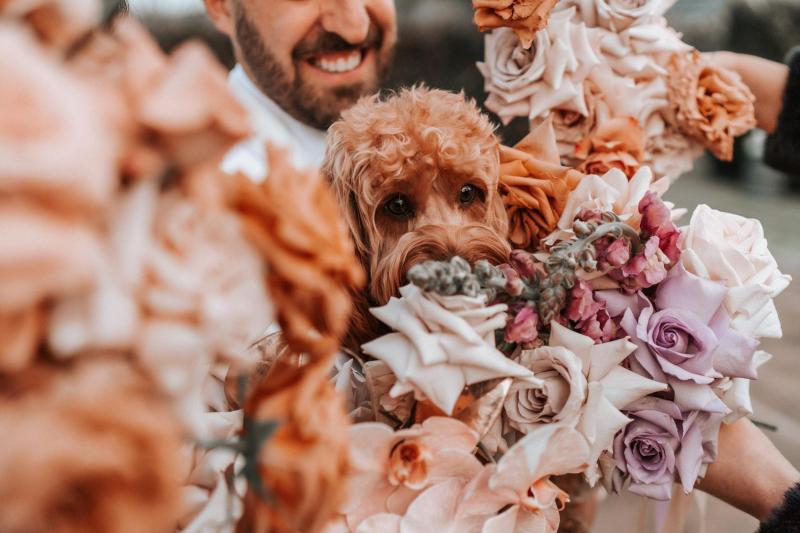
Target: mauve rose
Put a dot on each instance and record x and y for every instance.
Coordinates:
(657, 221)
(524, 327)
(558, 399)
(646, 450)
(663, 445)
(684, 346)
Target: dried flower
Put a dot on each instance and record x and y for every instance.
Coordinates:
(525, 17)
(534, 187)
(93, 449)
(312, 266)
(711, 104)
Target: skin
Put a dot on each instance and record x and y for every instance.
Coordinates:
(750, 473)
(281, 43)
(767, 79)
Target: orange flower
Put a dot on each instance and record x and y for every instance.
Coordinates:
(303, 466)
(534, 186)
(93, 448)
(293, 220)
(615, 143)
(170, 111)
(525, 17)
(711, 104)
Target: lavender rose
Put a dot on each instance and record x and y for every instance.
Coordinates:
(663, 445)
(646, 450)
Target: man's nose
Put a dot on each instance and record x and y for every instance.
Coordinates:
(347, 18)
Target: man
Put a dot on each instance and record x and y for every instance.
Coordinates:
(300, 64)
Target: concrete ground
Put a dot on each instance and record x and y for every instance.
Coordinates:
(777, 393)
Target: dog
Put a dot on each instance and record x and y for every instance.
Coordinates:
(416, 175)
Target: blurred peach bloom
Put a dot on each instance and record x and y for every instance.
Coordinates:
(56, 22)
(711, 104)
(390, 468)
(55, 146)
(615, 143)
(169, 293)
(93, 449)
(525, 17)
(534, 186)
(304, 464)
(21, 334)
(43, 255)
(312, 263)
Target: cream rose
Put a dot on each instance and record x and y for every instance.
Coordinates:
(530, 82)
(617, 15)
(732, 249)
(558, 398)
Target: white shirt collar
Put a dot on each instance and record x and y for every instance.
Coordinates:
(271, 124)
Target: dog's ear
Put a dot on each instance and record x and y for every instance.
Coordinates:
(348, 180)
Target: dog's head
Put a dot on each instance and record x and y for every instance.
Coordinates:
(416, 175)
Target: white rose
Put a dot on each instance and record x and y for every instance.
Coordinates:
(617, 15)
(530, 82)
(732, 250)
(558, 398)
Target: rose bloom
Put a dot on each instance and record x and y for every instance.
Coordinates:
(534, 187)
(97, 429)
(57, 22)
(646, 449)
(311, 258)
(711, 104)
(616, 15)
(732, 250)
(304, 464)
(558, 398)
(525, 17)
(615, 143)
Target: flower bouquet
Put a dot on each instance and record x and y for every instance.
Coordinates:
(619, 85)
(615, 350)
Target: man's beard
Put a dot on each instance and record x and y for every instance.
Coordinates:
(306, 103)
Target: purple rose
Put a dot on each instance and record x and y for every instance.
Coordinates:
(683, 346)
(662, 445)
(646, 449)
(685, 340)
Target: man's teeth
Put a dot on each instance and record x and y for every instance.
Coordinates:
(343, 64)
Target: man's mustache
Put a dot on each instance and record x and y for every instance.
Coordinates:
(327, 43)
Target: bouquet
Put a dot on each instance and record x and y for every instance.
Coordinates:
(615, 348)
(619, 85)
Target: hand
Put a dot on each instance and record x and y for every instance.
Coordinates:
(766, 79)
(750, 473)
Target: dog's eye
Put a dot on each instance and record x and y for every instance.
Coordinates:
(399, 206)
(468, 194)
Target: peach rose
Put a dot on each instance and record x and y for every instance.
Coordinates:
(711, 104)
(312, 263)
(616, 143)
(93, 448)
(525, 17)
(534, 187)
(56, 22)
(304, 463)
(54, 145)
